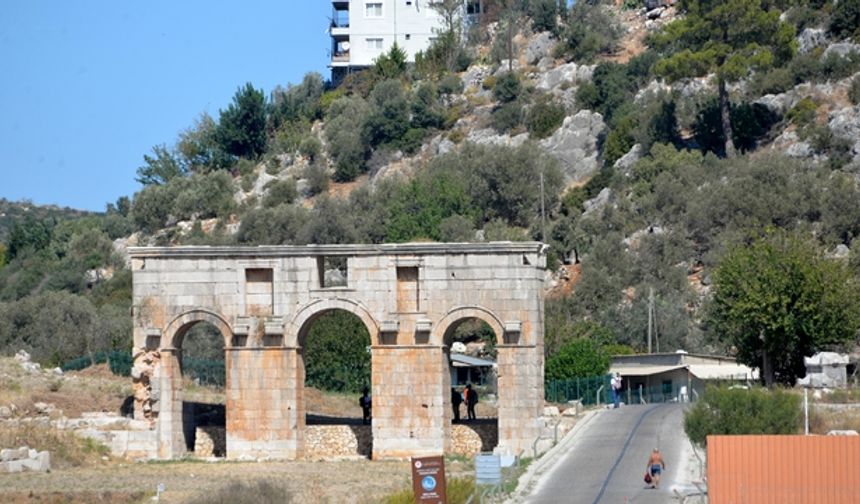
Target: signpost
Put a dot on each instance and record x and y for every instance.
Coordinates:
(428, 480)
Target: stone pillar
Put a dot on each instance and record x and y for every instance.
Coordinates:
(263, 403)
(171, 437)
(409, 416)
(521, 396)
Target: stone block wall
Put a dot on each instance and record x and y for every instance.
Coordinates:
(409, 413)
(409, 296)
(335, 442)
(262, 403)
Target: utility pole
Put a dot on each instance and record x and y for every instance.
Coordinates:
(650, 315)
(542, 210)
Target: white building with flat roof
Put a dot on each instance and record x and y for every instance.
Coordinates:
(362, 30)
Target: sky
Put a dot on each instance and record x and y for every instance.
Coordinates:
(89, 87)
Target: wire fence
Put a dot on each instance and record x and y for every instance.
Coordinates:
(588, 390)
(202, 371)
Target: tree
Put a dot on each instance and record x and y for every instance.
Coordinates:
(337, 353)
(160, 168)
(242, 127)
(29, 234)
(778, 300)
(343, 132)
(739, 411)
(729, 38)
(391, 65)
(451, 12)
(389, 115)
(580, 357)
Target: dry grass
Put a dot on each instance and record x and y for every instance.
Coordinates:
(92, 389)
(188, 482)
(823, 420)
(67, 450)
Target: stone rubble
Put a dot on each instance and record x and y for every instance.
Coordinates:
(14, 460)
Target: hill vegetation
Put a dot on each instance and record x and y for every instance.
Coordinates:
(723, 123)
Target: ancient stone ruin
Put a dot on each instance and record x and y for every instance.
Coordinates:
(411, 297)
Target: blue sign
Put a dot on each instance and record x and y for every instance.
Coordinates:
(428, 483)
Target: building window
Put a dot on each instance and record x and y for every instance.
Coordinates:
(374, 44)
(373, 9)
(333, 271)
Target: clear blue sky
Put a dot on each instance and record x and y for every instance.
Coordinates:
(89, 87)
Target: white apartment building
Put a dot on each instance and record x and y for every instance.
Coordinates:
(362, 30)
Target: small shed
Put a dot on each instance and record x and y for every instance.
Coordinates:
(466, 369)
(679, 376)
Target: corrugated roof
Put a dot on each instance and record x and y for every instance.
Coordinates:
(633, 370)
(701, 371)
(460, 360)
(722, 371)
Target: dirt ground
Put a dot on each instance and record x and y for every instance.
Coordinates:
(119, 481)
(335, 482)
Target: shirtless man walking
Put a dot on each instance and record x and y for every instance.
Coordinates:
(655, 467)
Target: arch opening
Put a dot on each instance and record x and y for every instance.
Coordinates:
(201, 363)
(335, 366)
(472, 371)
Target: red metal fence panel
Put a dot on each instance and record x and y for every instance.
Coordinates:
(783, 469)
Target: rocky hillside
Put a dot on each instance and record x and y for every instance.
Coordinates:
(601, 130)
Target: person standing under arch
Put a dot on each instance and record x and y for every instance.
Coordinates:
(471, 401)
(456, 400)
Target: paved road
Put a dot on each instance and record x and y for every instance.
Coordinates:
(605, 461)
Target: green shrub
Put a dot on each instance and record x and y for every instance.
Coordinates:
(835, 67)
(803, 112)
(507, 87)
(845, 19)
(738, 411)
(280, 192)
(507, 117)
(389, 114)
(579, 357)
(457, 490)
(544, 117)
(772, 81)
(451, 84)
(591, 30)
(259, 492)
(619, 141)
(310, 148)
(343, 130)
(426, 111)
(543, 14)
(317, 177)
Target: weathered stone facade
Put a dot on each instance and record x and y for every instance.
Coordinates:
(410, 297)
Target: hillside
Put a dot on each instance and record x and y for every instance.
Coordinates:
(654, 155)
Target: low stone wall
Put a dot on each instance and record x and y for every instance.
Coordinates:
(472, 439)
(133, 439)
(24, 459)
(325, 442)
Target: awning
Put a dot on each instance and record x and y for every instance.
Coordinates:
(701, 371)
(643, 370)
(460, 360)
(723, 372)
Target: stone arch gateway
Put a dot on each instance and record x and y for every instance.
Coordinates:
(407, 295)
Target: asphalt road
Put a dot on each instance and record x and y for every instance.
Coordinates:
(605, 461)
